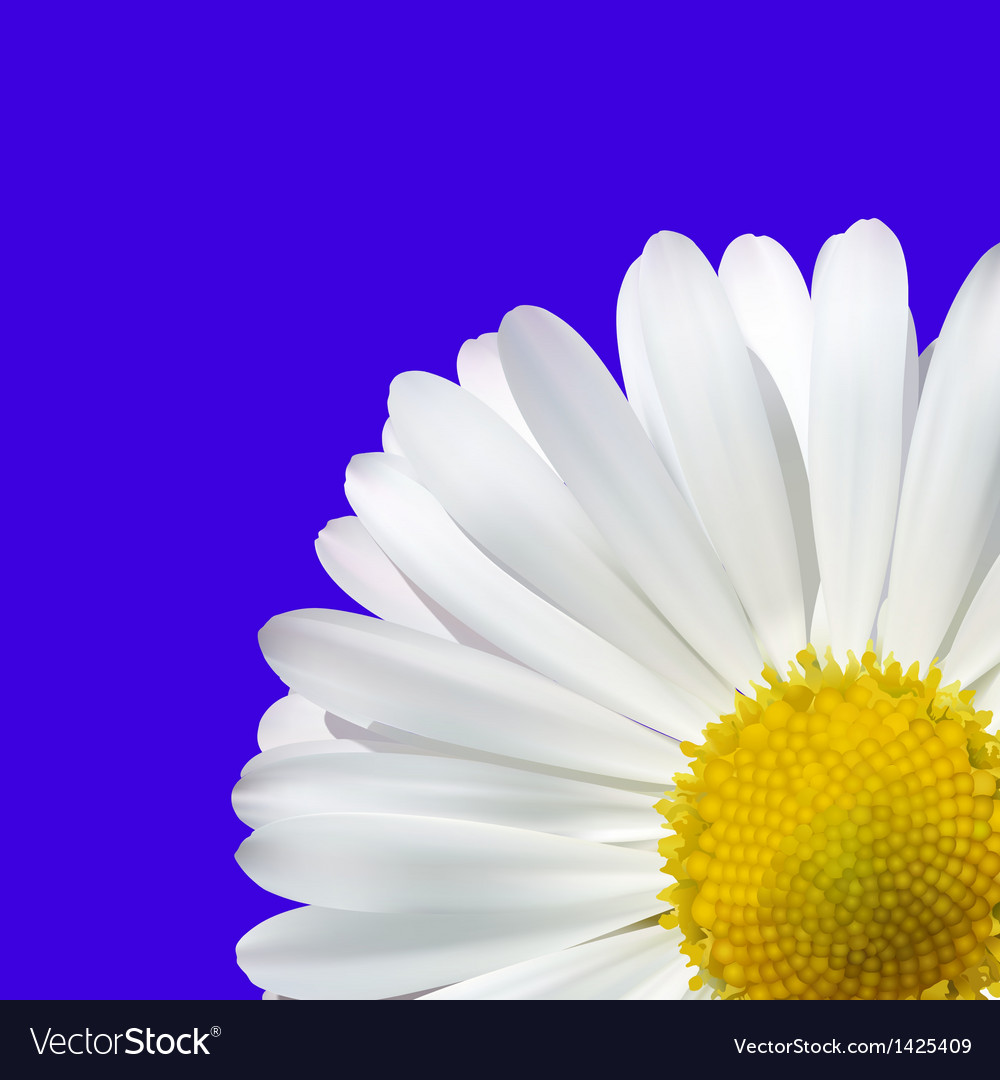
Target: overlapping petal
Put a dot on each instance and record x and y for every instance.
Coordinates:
(362, 569)
(611, 468)
(426, 785)
(642, 963)
(709, 394)
(771, 303)
(322, 953)
(412, 527)
(952, 486)
(498, 491)
(403, 863)
(374, 672)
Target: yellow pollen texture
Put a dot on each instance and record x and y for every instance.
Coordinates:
(838, 836)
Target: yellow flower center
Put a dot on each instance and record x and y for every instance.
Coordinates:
(838, 836)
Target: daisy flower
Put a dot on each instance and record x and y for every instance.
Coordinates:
(684, 692)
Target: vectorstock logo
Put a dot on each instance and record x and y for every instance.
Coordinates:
(137, 1042)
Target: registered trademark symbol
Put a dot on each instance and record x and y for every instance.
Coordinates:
(216, 1030)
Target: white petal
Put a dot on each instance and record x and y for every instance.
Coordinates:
(611, 968)
(372, 745)
(480, 372)
(393, 862)
(771, 303)
(292, 722)
(987, 557)
(431, 786)
(911, 399)
(320, 953)
(515, 508)
(987, 691)
(362, 569)
(376, 672)
(855, 425)
(671, 983)
(924, 363)
(823, 260)
(880, 629)
(650, 844)
(710, 397)
(414, 530)
(952, 486)
(639, 384)
(292, 719)
(976, 647)
(562, 387)
(340, 728)
(793, 471)
(819, 631)
(390, 444)
(911, 393)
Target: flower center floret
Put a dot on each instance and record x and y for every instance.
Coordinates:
(838, 836)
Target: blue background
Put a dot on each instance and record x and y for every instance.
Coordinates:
(229, 229)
